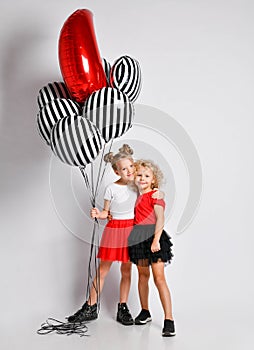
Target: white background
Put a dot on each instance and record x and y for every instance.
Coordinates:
(197, 64)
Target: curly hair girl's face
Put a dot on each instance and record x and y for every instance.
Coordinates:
(144, 179)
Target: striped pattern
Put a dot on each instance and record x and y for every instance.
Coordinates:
(52, 112)
(51, 92)
(111, 111)
(76, 141)
(125, 75)
(107, 67)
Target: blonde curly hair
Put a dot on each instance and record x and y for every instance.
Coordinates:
(157, 173)
(124, 152)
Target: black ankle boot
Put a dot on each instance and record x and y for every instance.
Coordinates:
(123, 315)
(86, 313)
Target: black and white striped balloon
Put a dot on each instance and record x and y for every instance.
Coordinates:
(125, 75)
(107, 67)
(111, 111)
(52, 112)
(76, 141)
(51, 92)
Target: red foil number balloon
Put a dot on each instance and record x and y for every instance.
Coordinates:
(79, 57)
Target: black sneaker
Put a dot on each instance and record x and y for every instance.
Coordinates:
(143, 317)
(123, 315)
(86, 313)
(168, 329)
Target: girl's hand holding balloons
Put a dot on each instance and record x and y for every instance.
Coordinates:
(94, 213)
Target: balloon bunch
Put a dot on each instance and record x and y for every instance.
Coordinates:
(94, 104)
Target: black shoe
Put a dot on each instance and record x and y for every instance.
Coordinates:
(86, 313)
(143, 317)
(168, 329)
(123, 315)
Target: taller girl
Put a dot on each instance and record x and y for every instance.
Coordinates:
(119, 198)
(150, 245)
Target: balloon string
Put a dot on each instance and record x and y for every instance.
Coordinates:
(67, 328)
(97, 276)
(93, 249)
(99, 180)
(93, 252)
(96, 284)
(89, 275)
(99, 172)
(92, 181)
(84, 174)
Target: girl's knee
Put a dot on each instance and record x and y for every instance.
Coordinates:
(104, 269)
(159, 281)
(126, 270)
(143, 273)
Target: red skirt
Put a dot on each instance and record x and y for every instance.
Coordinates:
(114, 241)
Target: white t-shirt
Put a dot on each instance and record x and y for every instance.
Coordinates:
(122, 201)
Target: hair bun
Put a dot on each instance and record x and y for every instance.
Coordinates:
(124, 152)
(126, 149)
(108, 158)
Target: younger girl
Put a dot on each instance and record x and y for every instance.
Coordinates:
(120, 199)
(149, 244)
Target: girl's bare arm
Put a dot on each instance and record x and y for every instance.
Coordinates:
(159, 213)
(158, 194)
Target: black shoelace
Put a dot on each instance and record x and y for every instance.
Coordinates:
(66, 328)
(79, 312)
(126, 312)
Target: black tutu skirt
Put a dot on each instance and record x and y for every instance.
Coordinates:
(140, 241)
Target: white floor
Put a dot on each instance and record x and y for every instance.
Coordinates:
(206, 328)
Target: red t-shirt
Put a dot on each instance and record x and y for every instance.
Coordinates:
(144, 209)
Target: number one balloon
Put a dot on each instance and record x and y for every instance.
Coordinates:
(79, 57)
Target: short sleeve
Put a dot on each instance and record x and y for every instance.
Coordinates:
(108, 194)
(157, 201)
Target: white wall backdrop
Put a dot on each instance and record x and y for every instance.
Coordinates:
(197, 64)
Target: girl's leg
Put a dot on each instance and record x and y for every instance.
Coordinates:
(103, 271)
(161, 284)
(143, 287)
(123, 314)
(125, 281)
(89, 310)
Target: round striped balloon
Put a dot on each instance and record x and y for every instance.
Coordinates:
(52, 112)
(107, 67)
(125, 75)
(111, 111)
(76, 141)
(52, 91)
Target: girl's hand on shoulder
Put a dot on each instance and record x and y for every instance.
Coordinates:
(158, 194)
(94, 213)
(155, 247)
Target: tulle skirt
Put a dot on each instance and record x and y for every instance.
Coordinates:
(140, 241)
(114, 241)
